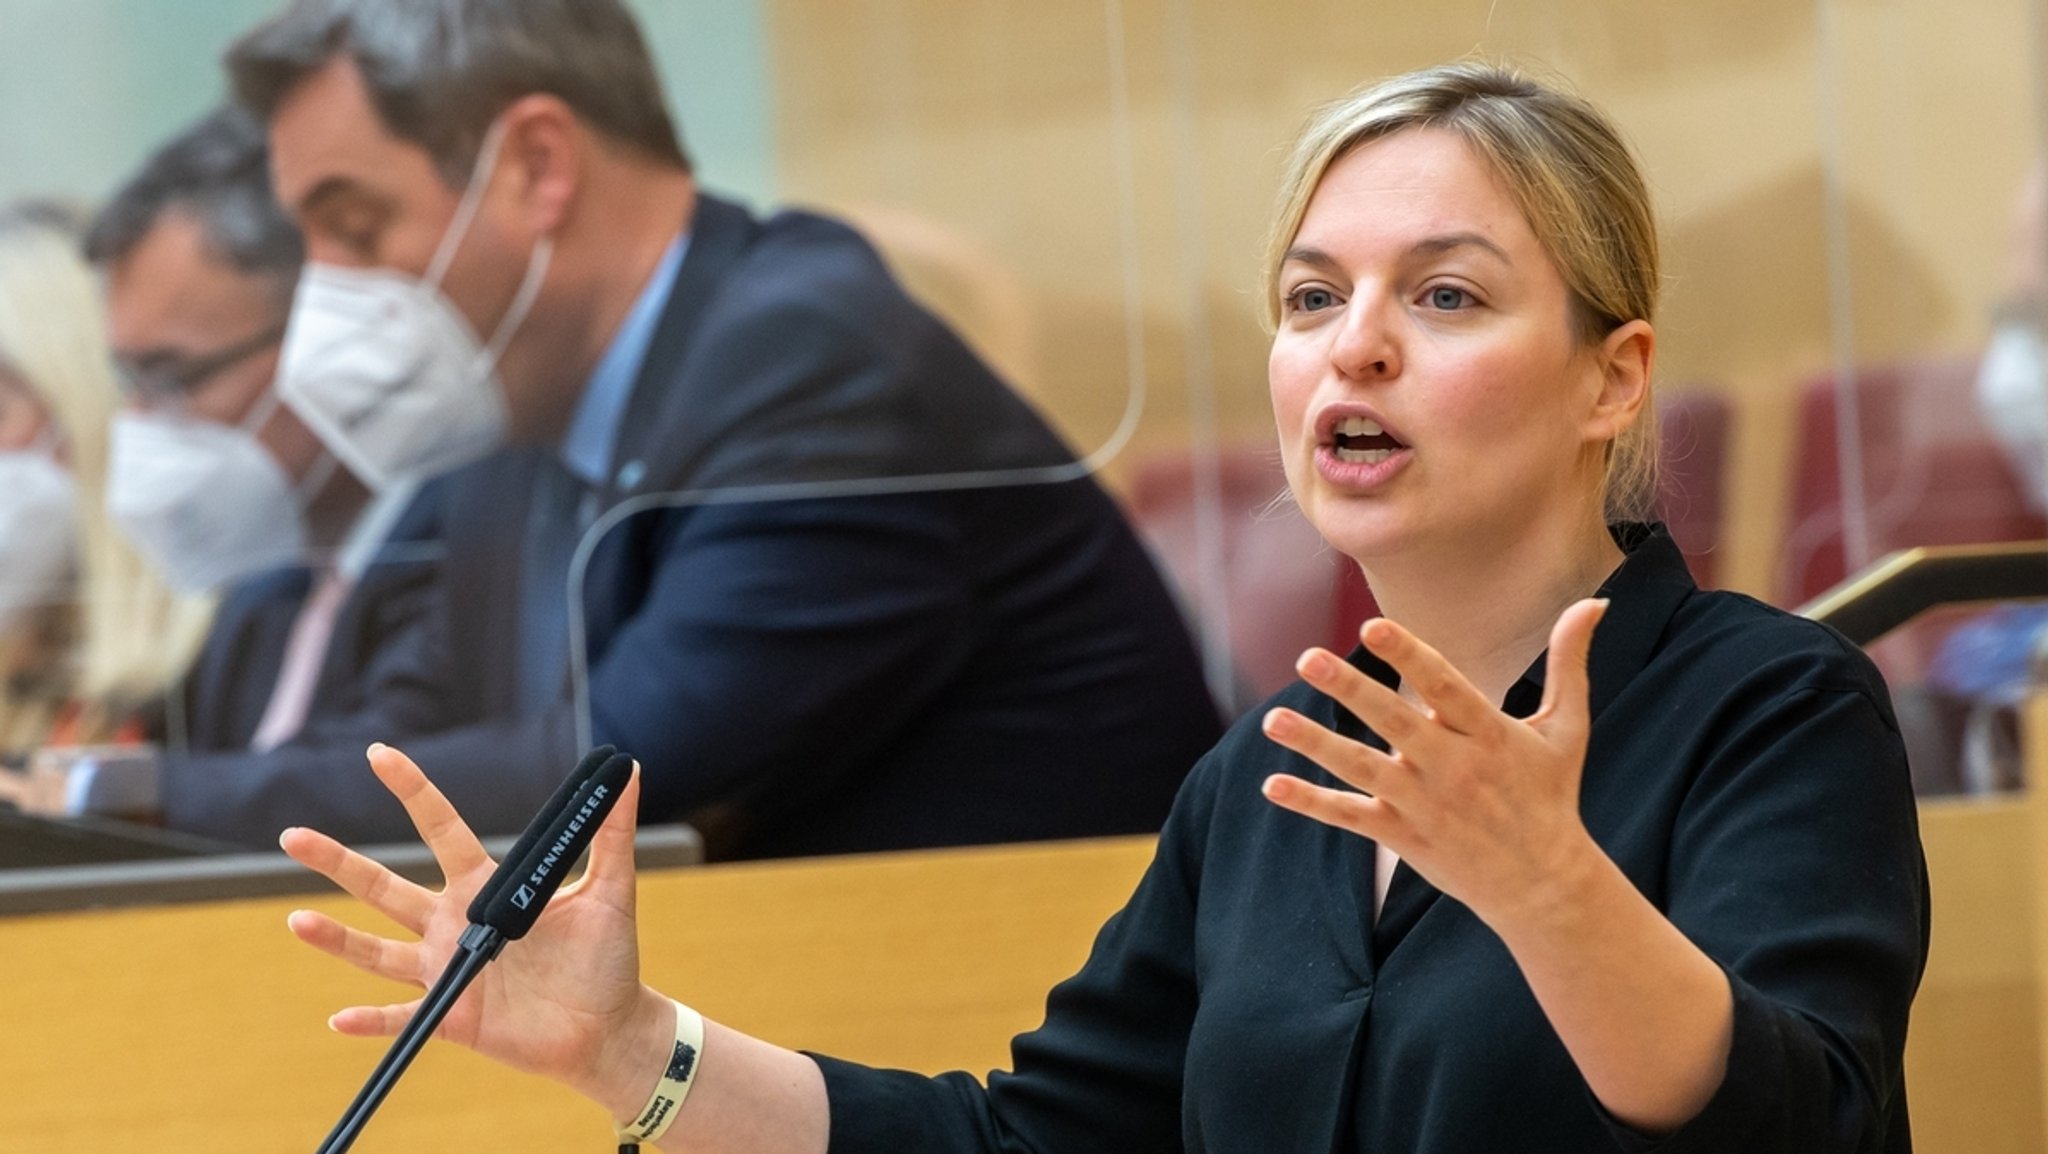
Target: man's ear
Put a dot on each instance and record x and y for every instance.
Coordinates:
(545, 152)
(1626, 358)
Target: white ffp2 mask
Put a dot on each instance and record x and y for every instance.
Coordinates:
(2012, 393)
(38, 532)
(386, 370)
(204, 503)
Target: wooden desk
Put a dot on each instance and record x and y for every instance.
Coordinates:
(1973, 1071)
(201, 1028)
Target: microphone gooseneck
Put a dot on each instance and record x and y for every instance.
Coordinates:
(502, 911)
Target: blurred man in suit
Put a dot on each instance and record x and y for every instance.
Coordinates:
(781, 534)
(222, 488)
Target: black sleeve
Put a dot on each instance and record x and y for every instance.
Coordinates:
(1798, 868)
(1103, 1074)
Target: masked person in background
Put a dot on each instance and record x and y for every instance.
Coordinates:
(90, 638)
(222, 488)
(39, 530)
(2012, 379)
(1968, 736)
(840, 588)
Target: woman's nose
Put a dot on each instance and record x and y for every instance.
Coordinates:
(1364, 347)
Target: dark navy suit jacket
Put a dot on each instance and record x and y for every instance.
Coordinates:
(867, 601)
(223, 696)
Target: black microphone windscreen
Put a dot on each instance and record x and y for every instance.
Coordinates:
(508, 868)
(513, 909)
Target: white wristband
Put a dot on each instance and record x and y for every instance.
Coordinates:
(653, 1121)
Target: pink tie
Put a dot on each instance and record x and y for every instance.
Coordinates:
(303, 656)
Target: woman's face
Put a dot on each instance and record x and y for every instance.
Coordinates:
(22, 415)
(1427, 380)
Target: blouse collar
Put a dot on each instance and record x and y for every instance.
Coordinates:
(1644, 591)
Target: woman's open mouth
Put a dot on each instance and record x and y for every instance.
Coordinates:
(1356, 453)
(1361, 441)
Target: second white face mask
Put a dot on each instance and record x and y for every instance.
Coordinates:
(2012, 393)
(386, 370)
(204, 503)
(38, 532)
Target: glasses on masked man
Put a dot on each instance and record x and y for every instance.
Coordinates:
(201, 497)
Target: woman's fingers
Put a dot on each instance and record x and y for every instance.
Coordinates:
(1457, 703)
(398, 961)
(1359, 766)
(403, 902)
(1567, 686)
(1404, 727)
(1368, 817)
(456, 848)
(611, 851)
(373, 1021)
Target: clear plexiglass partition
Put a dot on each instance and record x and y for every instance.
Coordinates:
(1849, 358)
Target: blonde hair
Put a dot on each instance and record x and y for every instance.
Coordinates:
(1568, 171)
(135, 636)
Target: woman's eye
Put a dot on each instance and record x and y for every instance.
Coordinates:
(1449, 299)
(1312, 300)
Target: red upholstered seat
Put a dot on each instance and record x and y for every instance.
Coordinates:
(1250, 570)
(1933, 473)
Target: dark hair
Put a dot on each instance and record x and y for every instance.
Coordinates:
(219, 171)
(440, 71)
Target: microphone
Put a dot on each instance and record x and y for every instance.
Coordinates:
(502, 911)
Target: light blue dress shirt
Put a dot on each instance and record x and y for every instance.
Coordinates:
(594, 432)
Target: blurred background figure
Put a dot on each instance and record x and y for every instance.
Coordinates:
(2012, 380)
(222, 488)
(1965, 724)
(515, 289)
(209, 476)
(38, 519)
(93, 638)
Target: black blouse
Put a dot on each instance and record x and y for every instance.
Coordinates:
(1746, 773)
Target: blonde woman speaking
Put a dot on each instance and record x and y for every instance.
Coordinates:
(1568, 856)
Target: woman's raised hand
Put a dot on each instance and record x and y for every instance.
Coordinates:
(565, 1002)
(1483, 805)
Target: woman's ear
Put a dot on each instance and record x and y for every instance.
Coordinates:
(1626, 358)
(544, 145)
